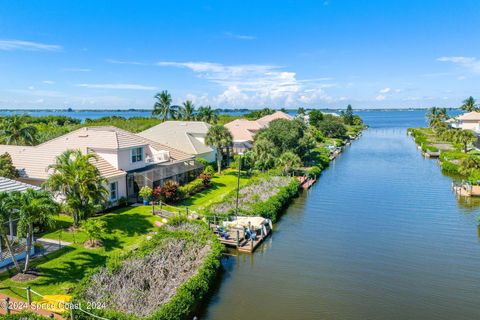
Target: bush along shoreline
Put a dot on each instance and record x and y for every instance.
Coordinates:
(263, 196)
(166, 277)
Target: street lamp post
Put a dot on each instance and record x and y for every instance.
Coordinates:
(238, 182)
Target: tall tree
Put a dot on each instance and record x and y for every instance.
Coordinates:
(78, 182)
(468, 164)
(7, 213)
(207, 114)
(288, 161)
(348, 115)
(187, 111)
(436, 115)
(15, 130)
(7, 169)
(314, 117)
(163, 105)
(464, 137)
(469, 104)
(301, 111)
(35, 207)
(219, 137)
(264, 153)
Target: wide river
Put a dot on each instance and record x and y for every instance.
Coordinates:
(380, 236)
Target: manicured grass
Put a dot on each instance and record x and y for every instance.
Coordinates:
(221, 186)
(62, 269)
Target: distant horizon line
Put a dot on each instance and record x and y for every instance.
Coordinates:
(217, 109)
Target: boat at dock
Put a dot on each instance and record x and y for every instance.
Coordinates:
(243, 233)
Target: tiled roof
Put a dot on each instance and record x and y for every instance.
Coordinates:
(33, 161)
(244, 130)
(181, 135)
(8, 185)
(105, 168)
(472, 116)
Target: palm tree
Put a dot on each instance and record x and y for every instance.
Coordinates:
(264, 153)
(288, 161)
(465, 137)
(15, 130)
(187, 111)
(436, 115)
(78, 182)
(207, 114)
(469, 163)
(6, 215)
(163, 105)
(469, 104)
(35, 207)
(219, 137)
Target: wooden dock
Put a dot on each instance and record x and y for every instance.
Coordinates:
(237, 236)
(243, 244)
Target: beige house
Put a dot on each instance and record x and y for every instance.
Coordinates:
(466, 121)
(128, 161)
(243, 131)
(186, 136)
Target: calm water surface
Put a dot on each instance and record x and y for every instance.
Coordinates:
(380, 236)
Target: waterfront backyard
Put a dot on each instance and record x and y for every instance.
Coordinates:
(126, 227)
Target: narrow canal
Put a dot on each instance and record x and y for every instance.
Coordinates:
(380, 236)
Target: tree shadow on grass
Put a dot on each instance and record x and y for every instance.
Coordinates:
(72, 270)
(131, 224)
(191, 201)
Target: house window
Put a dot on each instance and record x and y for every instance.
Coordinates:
(113, 191)
(137, 155)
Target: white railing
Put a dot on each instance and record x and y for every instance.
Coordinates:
(157, 157)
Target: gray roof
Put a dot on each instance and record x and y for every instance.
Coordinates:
(187, 136)
(8, 185)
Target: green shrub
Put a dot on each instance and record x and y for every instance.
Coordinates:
(272, 207)
(449, 167)
(314, 172)
(191, 188)
(24, 316)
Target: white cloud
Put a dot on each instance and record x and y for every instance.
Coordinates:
(385, 90)
(76, 70)
(116, 86)
(48, 82)
(251, 85)
(380, 97)
(125, 62)
(11, 45)
(461, 78)
(239, 36)
(470, 63)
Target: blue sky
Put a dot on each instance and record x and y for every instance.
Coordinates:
(118, 54)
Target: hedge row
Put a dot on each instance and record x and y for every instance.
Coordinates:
(272, 207)
(24, 316)
(187, 296)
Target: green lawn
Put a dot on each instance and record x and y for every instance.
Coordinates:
(61, 270)
(221, 185)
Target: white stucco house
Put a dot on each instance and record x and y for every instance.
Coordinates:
(186, 136)
(128, 161)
